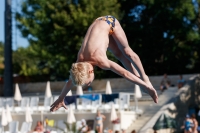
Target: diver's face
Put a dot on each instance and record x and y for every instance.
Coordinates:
(90, 79)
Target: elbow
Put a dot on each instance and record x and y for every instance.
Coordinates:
(104, 65)
(134, 57)
(130, 54)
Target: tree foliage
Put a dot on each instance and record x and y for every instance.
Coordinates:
(164, 34)
(25, 63)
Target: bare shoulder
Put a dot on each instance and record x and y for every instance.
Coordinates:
(101, 59)
(102, 62)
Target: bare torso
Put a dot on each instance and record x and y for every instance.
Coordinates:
(95, 42)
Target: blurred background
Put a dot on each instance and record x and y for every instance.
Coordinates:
(40, 39)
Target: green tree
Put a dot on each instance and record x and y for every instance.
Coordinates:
(25, 63)
(164, 34)
(55, 30)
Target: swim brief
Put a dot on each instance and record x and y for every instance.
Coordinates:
(111, 22)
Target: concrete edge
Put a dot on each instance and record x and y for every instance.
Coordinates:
(152, 121)
(149, 125)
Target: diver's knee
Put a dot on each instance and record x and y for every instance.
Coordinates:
(130, 54)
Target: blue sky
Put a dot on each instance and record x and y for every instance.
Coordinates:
(17, 39)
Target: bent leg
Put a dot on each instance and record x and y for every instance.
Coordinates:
(122, 42)
(113, 47)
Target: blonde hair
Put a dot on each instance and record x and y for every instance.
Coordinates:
(79, 72)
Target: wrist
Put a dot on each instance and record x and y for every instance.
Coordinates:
(144, 84)
(61, 97)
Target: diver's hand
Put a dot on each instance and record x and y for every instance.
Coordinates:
(58, 104)
(152, 92)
